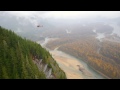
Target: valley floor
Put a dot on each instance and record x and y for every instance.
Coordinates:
(69, 64)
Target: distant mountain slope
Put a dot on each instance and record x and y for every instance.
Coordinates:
(17, 58)
(102, 54)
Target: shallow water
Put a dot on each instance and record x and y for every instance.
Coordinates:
(69, 64)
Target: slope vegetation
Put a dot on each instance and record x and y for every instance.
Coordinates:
(17, 58)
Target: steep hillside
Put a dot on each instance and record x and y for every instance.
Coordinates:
(19, 57)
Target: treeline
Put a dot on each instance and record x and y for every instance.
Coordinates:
(105, 59)
(16, 55)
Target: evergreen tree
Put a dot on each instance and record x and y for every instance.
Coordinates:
(16, 57)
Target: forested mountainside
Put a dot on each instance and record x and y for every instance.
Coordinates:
(18, 57)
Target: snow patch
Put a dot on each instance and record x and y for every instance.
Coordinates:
(100, 36)
(68, 31)
(116, 29)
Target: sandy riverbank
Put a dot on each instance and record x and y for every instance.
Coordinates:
(69, 64)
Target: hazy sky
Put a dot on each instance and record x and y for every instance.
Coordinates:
(65, 14)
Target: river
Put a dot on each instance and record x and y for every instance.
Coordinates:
(69, 64)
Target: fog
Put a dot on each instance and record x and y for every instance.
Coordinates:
(35, 16)
(63, 14)
(80, 34)
(25, 22)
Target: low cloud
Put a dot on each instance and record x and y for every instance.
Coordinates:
(64, 14)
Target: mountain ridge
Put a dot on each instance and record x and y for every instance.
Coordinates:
(16, 58)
